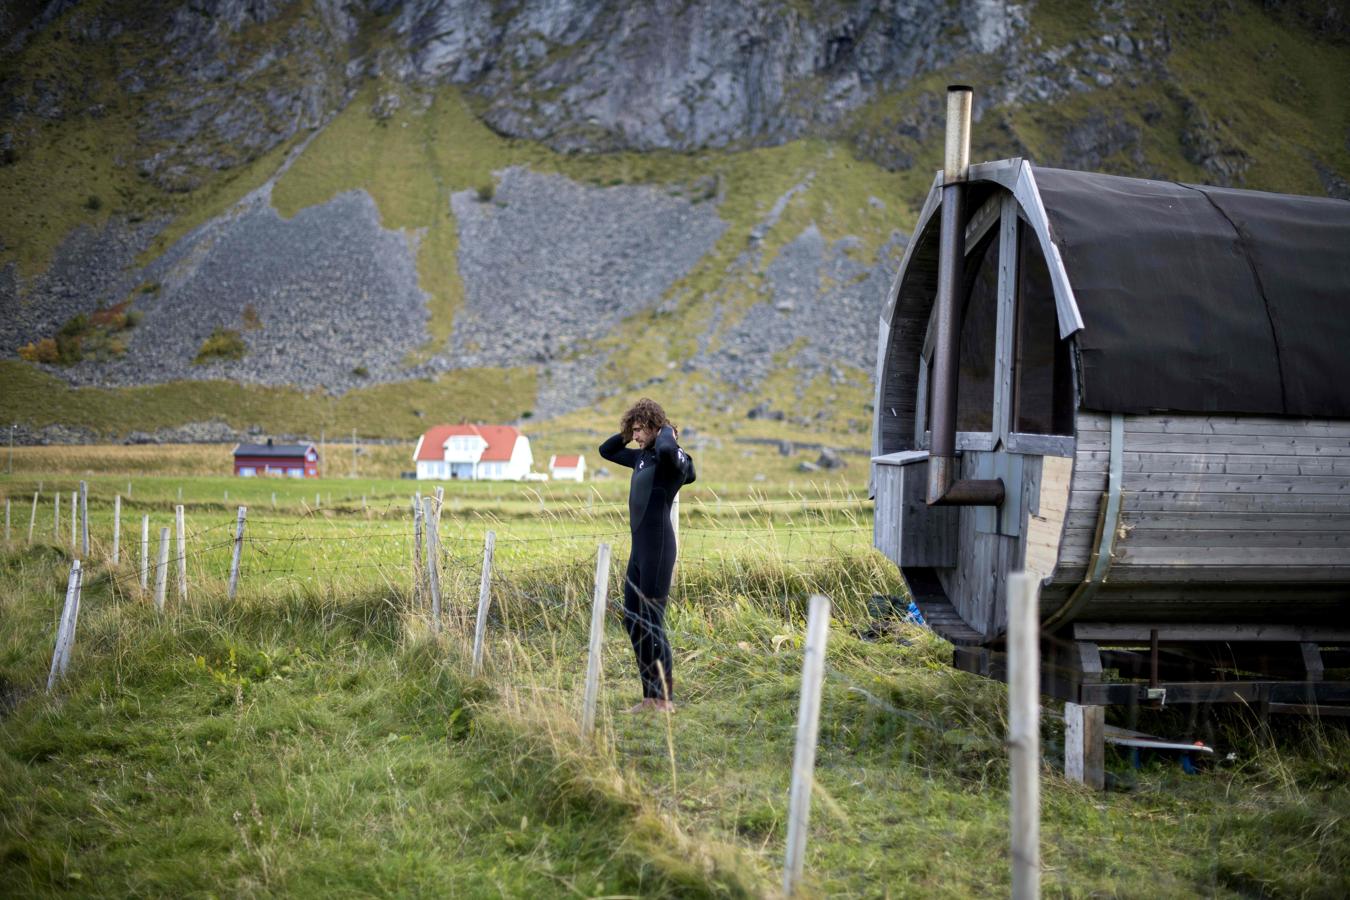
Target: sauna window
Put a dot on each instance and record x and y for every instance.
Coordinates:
(1042, 373)
(975, 372)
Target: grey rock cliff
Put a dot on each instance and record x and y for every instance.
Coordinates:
(606, 74)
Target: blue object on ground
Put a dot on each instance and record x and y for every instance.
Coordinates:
(913, 614)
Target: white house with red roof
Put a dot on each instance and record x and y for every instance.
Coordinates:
(473, 453)
(567, 468)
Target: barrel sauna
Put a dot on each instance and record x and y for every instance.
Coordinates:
(1151, 412)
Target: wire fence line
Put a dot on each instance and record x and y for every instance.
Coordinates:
(273, 547)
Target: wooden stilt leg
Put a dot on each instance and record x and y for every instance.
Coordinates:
(1085, 744)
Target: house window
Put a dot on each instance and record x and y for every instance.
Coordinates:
(1043, 400)
(975, 368)
(247, 471)
(296, 473)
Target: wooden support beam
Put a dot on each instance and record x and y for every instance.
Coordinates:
(1251, 693)
(1312, 660)
(1104, 632)
(1085, 744)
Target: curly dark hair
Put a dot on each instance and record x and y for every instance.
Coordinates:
(644, 412)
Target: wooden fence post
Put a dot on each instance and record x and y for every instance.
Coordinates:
(598, 606)
(32, 518)
(484, 592)
(1084, 744)
(145, 552)
(117, 528)
(84, 520)
(74, 621)
(238, 546)
(162, 569)
(808, 726)
(417, 548)
(432, 561)
(274, 499)
(181, 524)
(1024, 734)
(74, 520)
(65, 631)
(56, 517)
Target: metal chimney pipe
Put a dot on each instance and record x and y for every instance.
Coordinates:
(956, 159)
(942, 490)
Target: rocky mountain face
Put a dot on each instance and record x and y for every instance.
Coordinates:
(577, 75)
(210, 84)
(674, 75)
(171, 100)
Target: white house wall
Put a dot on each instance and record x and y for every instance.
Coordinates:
(472, 468)
(522, 460)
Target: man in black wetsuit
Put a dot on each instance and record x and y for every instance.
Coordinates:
(660, 468)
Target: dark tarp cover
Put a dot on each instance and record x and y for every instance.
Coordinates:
(1203, 299)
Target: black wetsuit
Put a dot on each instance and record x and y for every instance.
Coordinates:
(658, 475)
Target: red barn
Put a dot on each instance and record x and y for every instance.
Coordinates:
(276, 460)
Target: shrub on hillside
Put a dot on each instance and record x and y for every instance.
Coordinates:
(43, 351)
(95, 335)
(486, 192)
(114, 318)
(252, 321)
(224, 343)
(75, 326)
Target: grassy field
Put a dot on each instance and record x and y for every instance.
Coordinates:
(316, 736)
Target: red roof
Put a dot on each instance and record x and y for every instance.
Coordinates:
(566, 462)
(501, 441)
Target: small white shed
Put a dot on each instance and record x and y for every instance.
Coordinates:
(567, 468)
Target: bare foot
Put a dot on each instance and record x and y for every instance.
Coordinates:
(645, 705)
(664, 706)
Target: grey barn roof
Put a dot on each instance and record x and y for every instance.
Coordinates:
(1204, 299)
(277, 450)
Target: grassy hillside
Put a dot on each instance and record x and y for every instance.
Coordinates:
(76, 167)
(387, 410)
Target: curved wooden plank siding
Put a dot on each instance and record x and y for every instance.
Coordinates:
(1231, 497)
(1223, 519)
